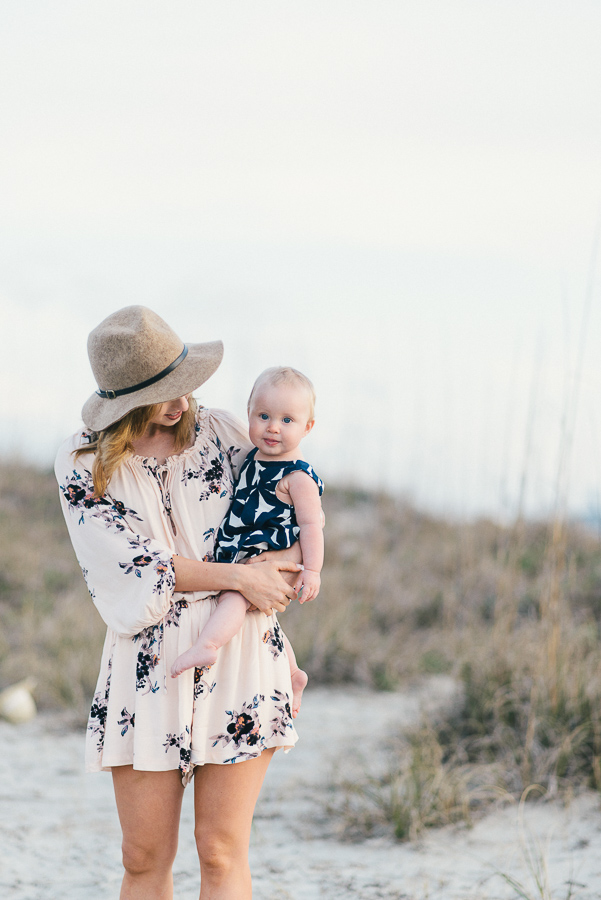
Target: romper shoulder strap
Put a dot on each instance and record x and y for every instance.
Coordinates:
(299, 465)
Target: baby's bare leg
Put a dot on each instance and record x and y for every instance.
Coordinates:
(223, 624)
(298, 677)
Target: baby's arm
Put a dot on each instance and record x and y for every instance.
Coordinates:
(303, 493)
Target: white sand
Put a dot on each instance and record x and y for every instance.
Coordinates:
(60, 838)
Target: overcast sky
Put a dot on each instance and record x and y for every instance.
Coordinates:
(401, 198)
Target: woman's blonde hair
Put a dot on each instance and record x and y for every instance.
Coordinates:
(114, 445)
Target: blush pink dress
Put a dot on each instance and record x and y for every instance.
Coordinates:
(124, 543)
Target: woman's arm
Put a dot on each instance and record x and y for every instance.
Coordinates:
(263, 586)
(130, 577)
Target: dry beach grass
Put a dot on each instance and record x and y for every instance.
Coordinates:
(511, 613)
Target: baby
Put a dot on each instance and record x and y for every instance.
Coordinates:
(276, 502)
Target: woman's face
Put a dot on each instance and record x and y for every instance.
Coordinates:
(170, 412)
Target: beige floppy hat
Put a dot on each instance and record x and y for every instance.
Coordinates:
(137, 360)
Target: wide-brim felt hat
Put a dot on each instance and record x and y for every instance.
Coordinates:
(138, 360)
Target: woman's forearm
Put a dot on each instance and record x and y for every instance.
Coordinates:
(262, 585)
(193, 575)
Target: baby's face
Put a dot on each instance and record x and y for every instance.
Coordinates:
(278, 420)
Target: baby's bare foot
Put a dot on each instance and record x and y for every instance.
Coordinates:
(299, 683)
(201, 656)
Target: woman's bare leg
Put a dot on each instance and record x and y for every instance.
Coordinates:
(224, 803)
(224, 622)
(149, 806)
(298, 677)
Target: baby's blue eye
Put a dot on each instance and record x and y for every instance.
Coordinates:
(287, 420)
(264, 416)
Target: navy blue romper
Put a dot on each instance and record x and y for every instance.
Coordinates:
(258, 520)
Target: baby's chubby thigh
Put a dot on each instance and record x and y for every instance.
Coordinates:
(193, 620)
(231, 610)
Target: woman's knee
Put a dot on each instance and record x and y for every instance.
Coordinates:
(140, 858)
(219, 853)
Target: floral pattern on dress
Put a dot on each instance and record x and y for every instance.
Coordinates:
(182, 742)
(274, 641)
(148, 658)
(151, 642)
(231, 452)
(91, 590)
(214, 476)
(98, 711)
(165, 573)
(126, 720)
(202, 686)
(280, 724)
(174, 613)
(79, 494)
(244, 728)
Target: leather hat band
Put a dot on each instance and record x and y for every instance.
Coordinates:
(110, 395)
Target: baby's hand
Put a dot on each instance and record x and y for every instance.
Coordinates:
(307, 585)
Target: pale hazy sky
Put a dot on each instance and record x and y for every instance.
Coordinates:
(401, 198)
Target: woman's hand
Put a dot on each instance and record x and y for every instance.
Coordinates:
(262, 585)
(265, 588)
(289, 554)
(292, 554)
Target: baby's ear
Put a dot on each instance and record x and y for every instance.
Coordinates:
(309, 426)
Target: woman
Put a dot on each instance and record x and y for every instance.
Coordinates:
(144, 491)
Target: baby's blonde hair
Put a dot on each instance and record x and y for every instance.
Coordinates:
(114, 445)
(277, 375)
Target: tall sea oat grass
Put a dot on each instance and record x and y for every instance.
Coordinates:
(513, 613)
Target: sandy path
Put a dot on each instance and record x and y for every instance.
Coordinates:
(59, 834)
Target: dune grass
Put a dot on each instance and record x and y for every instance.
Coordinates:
(512, 613)
(51, 629)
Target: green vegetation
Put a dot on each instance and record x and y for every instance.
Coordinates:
(512, 613)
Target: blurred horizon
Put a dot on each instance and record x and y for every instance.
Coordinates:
(403, 201)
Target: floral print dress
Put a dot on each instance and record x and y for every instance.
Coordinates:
(124, 543)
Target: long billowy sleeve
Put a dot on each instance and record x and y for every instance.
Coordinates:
(130, 577)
